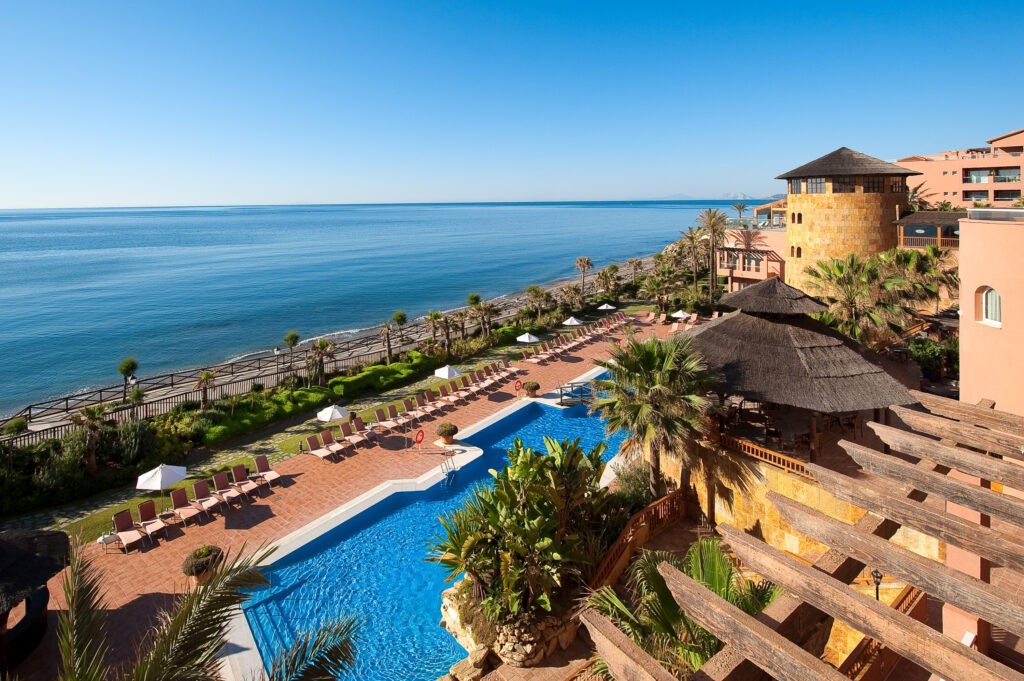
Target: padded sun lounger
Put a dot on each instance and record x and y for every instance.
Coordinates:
(240, 481)
(350, 435)
(125, 530)
(181, 507)
(203, 500)
(385, 424)
(149, 523)
(318, 450)
(427, 406)
(223, 490)
(267, 474)
(331, 445)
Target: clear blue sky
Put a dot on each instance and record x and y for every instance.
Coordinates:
(169, 103)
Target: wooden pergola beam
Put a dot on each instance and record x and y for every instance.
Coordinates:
(863, 492)
(978, 498)
(952, 586)
(971, 413)
(911, 639)
(780, 657)
(993, 441)
(964, 460)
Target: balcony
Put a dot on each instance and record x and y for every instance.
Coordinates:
(921, 236)
(1006, 178)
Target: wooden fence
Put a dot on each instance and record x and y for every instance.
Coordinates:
(789, 464)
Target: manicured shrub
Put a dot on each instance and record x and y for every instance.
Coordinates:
(201, 560)
(447, 429)
(16, 426)
(531, 386)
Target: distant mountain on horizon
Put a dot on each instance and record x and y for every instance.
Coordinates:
(728, 196)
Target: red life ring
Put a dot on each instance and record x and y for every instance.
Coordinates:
(419, 436)
(519, 386)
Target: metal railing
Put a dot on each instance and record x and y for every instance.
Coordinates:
(577, 392)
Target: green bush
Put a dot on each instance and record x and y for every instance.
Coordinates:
(952, 347)
(16, 426)
(929, 355)
(253, 416)
(447, 429)
(380, 377)
(136, 440)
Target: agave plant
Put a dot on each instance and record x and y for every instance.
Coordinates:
(653, 619)
(186, 640)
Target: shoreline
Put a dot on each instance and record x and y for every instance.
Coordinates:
(355, 341)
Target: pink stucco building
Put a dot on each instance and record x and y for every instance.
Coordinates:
(752, 255)
(989, 174)
(992, 308)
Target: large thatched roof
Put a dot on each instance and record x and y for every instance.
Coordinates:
(28, 558)
(795, 360)
(844, 161)
(773, 296)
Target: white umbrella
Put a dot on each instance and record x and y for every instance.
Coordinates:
(679, 314)
(606, 306)
(447, 372)
(332, 413)
(161, 477)
(572, 321)
(527, 338)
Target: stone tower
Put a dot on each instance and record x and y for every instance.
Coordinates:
(844, 202)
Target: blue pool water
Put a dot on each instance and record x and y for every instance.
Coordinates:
(373, 566)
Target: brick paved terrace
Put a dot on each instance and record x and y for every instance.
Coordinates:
(144, 581)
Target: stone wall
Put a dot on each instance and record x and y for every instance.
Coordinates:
(835, 225)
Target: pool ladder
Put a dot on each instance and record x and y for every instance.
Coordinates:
(448, 468)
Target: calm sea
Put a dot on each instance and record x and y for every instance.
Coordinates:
(178, 287)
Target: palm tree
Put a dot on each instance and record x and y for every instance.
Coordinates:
(655, 288)
(90, 420)
(386, 330)
(207, 380)
(434, 323)
(444, 324)
(859, 296)
(657, 393)
(291, 339)
(187, 639)
(538, 298)
(918, 196)
(608, 280)
(127, 369)
(459, 317)
(693, 250)
(319, 353)
(583, 264)
(923, 274)
(486, 311)
(740, 209)
(657, 623)
(712, 223)
(637, 264)
(473, 299)
(572, 295)
(400, 319)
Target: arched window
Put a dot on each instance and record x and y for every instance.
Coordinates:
(991, 306)
(792, 217)
(792, 251)
(799, 218)
(799, 252)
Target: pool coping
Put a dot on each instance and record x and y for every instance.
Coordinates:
(240, 658)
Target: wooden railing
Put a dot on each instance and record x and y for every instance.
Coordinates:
(654, 518)
(867, 657)
(769, 456)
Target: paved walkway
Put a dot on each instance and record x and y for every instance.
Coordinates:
(142, 582)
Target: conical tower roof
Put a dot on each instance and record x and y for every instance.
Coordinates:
(773, 296)
(846, 161)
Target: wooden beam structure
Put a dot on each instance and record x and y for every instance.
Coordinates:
(964, 460)
(980, 499)
(970, 413)
(868, 492)
(952, 586)
(911, 639)
(993, 441)
(780, 657)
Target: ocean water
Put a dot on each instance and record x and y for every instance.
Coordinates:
(179, 287)
(373, 566)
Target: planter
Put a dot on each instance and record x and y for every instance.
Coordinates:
(447, 432)
(448, 439)
(201, 578)
(531, 393)
(200, 565)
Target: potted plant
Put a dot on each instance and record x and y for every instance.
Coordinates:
(531, 388)
(447, 432)
(199, 564)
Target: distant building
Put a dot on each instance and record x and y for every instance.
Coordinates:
(752, 255)
(989, 174)
(992, 308)
(771, 215)
(842, 203)
(929, 228)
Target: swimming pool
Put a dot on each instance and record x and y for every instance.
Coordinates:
(373, 566)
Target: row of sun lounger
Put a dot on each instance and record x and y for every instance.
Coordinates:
(389, 419)
(570, 341)
(128, 532)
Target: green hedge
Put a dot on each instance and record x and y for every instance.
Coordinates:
(248, 416)
(380, 377)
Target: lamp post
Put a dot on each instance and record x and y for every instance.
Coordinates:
(277, 359)
(876, 577)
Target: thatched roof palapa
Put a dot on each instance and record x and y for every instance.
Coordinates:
(845, 161)
(773, 296)
(771, 351)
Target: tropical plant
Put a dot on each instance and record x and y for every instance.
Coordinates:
(653, 619)
(740, 209)
(319, 354)
(945, 206)
(473, 299)
(712, 223)
(127, 369)
(657, 392)
(922, 275)
(584, 265)
(538, 298)
(400, 319)
(637, 264)
(608, 279)
(460, 317)
(207, 380)
(386, 330)
(657, 289)
(572, 296)
(863, 300)
(918, 197)
(434, 323)
(518, 540)
(692, 248)
(485, 311)
(444, 325)
(187, 640)
(90, 420)
(15, 426)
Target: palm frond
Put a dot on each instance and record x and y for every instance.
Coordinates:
(81, 629)
(323, 654)
(184, 644)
